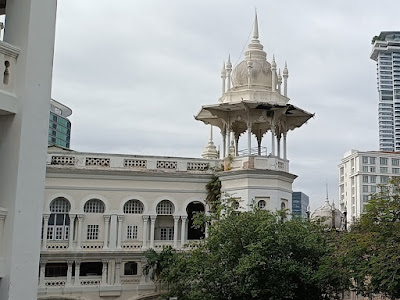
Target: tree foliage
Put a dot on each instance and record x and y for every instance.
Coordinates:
(255, 255)
(372, 247)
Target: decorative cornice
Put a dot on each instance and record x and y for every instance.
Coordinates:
(9, 50)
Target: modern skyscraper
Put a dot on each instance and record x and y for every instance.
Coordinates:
(300, 202)
(386, 52)
(59, 125)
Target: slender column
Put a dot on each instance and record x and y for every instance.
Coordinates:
(104, 272)
(79, 239)
(259, 146)
(42, 275)
(223, 133)
(77, 271)
(71, 232)
(152, 228)
(176, 220)
(106, 230)
(273, 142)
(45, 229)
(279, 145)
(228, 134)
(69, 273)
(223, 76)
(120, 219)
(249, 138)
(113, 232)
(117, 271)
(284, 146)
(142, 277)
(183, 231)
(145, 226)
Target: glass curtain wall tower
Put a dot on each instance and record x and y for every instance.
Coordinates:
(386, 52)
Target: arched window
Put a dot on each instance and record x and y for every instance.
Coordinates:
(133, 207)
(131, 268)
(94, 206)
(58, 225)
(261, 204)
(283, 205)
(165, 207)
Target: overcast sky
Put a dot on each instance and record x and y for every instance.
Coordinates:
(136, 72)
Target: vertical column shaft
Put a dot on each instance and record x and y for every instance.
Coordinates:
(104, 272)
(106, 230)
(183, 231)
(77, 271)
(249, 138)
(117, 271)
(152, 228)
(176, 220)
(119, 237)
(42, 275)
(145, 226)
(273, 142)
(45, 229)
(284, 146)
(71, 231)
(279, 145)
(69, 273)
(79, 239)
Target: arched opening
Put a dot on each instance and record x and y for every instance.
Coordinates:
(58, 224)
(192, 209)
(165, 223)
(94, 206)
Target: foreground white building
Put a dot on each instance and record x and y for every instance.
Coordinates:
(26, 56)
(360, 173)
(102, 211)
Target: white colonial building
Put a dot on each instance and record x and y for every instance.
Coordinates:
(102, 211)
(360, 173)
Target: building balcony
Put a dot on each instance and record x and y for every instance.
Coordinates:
(8, 62)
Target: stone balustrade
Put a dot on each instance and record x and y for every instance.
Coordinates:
(163, 164)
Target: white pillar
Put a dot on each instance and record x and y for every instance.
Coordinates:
(77, 271)
(176, 220)
(249, 138)
(113, 232)
(106, 230)
(223, 133)
(284, 146)
(104, 272)
(71, 232)
(228, 134)
(279, 145)
(45, 229)
(42, 275)
(117, 272)
(69, 273)
(120, 219)
(183, 231)
(79, 239)
(273, 142)
(142, 277)
(145, 226)
(152, 228)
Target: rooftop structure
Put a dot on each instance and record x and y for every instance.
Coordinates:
(386, 52)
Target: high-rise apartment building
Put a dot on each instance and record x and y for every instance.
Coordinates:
(59, 125)
(300, 202)
(386, 52)
(360, 174)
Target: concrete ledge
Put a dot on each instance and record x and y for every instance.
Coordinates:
(110, 291)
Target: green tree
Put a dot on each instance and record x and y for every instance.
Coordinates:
(254, 255)
(371, 249)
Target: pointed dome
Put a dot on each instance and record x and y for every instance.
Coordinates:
(261, 75)
(328, 215)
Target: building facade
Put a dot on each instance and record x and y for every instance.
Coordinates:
(360, 173)
(102, 211)
(25, 85)
(386, 52)
(59, 125)
(300, 204)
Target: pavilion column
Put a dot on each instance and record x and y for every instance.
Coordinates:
(228, 134)
(284, 146)
(106, 230)
(104, 272)
(145, 226)
(42, 274)
(69, 273)
(117, 272)
(79, 239)
(278, 139)
(71, 232)
(183, 231)
(249, 138)
(152, 228)
(223, 133)
(119, 237)
(77, 271)
(176, 220)
(143, 262)
(236, 145)
(273, 142)
(45, 229)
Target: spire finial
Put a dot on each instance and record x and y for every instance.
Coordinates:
(327, 200)
(255, 30)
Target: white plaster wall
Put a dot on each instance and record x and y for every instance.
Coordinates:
(30, 25)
